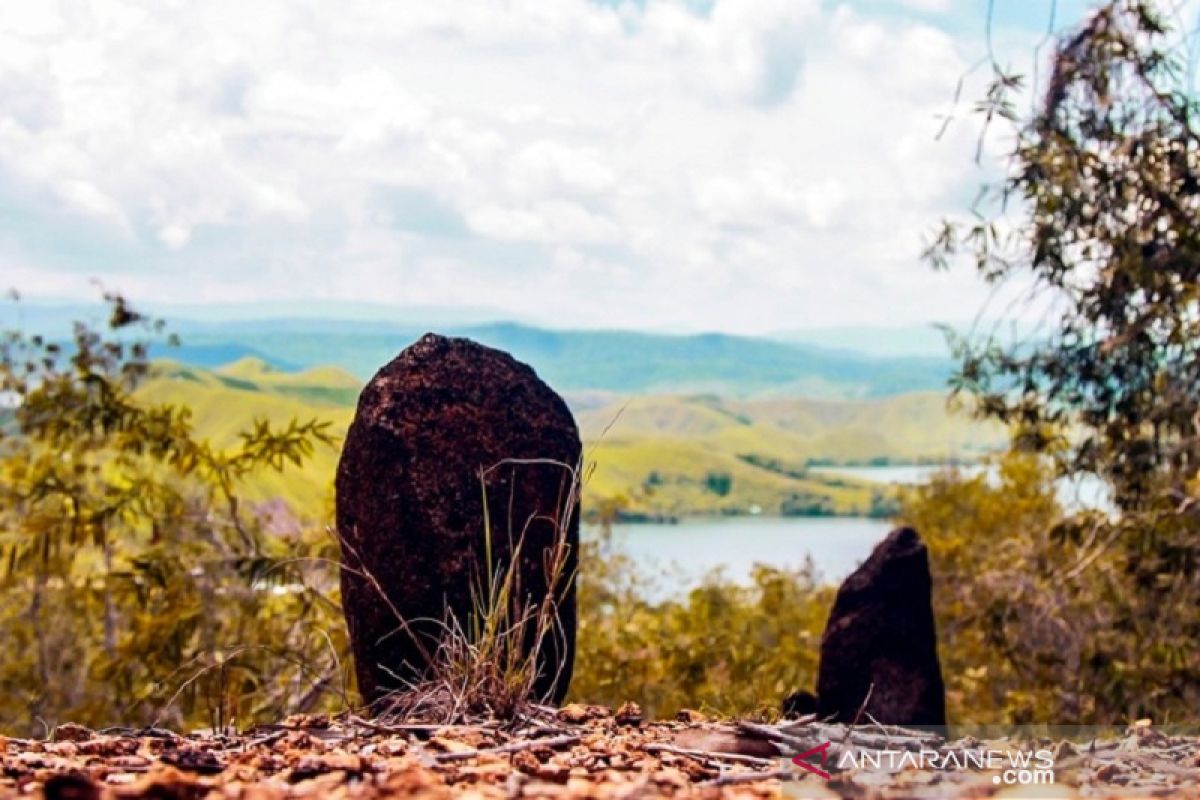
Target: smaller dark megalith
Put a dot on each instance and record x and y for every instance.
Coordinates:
(881, 639)
(443, 425)
(799, 704)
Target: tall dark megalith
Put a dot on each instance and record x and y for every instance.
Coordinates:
(881, 639)
(410, 504)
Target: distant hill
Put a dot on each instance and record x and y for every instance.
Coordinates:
(216, 355)
(910, 428)
(839, 364)
(676, 454)
(317, 385)
(227, 401)
(575, 361)
(673, 454)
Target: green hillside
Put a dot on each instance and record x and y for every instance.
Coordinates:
(226, 401)
(655, 455)
(686, 454)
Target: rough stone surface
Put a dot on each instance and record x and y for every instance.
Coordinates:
(435, 427)
(881, 633)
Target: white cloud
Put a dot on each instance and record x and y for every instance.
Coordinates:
(87, 199)
(748, 49)
(32, 20)
(767, 164)
(931, 6)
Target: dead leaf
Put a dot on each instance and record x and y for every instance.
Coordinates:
(448, 745)
(578, 713)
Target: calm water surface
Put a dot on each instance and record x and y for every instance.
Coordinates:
(681, 554)
(693, 547)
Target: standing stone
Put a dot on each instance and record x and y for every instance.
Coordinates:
(441, 424)
(799, 704)
(881, 632)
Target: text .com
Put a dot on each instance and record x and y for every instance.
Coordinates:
(1024, 777)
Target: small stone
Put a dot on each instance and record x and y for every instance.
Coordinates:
(447, 745)
(310, 767)
(71, 786)
(168, 783)
(525, 761)
(121, 778)
(70, 732)
(303, 721)
(108, 746)
(193, 759)
(629, 714)
(578, 713)
(555, 773)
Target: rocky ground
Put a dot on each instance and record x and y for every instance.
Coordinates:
(578, 751)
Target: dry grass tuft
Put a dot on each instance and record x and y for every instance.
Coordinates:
(487, 666)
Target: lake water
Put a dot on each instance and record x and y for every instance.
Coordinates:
(693, 547)
(689, 549)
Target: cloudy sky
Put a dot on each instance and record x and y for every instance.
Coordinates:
(738, 165)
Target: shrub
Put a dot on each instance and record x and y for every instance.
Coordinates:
(137, 589)
(723, 647)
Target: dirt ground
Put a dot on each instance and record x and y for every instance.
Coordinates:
(578, 751)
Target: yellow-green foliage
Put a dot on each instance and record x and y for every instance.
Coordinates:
(1042, 615)
(982, 535)
(140, 585)
(1097, 615)
(1051, 617)
(137, 587)
(723, 647)
(226, 402)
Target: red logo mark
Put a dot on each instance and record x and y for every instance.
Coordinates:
(823, 749)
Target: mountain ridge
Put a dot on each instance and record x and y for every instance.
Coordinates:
(586, 360)
(569, 359)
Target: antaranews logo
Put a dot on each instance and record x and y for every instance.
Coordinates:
(1024, 767)
(823, 750)
(1031, 761)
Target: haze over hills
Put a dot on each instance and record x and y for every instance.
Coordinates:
(675, 424)
(569, 360)
(927, 341)
(614, 361)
